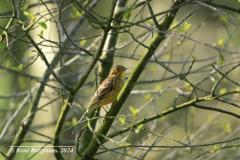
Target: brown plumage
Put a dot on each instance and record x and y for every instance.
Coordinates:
(108, 90)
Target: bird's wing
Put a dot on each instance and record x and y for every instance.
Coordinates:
(103, 91)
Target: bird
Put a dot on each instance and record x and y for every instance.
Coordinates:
(106, 93)
(109, 89)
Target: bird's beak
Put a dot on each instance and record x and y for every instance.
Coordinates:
(124, 68)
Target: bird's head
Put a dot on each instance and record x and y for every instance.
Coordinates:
(117, 70)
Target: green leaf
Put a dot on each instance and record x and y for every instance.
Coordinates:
(43, 25)
(122, 119)
(224, 19)
(134, 110)
(2, 46)
(127, 13)
(221, 42)
(147, 97)
(75, 13)
(222, 91)
(214, 149)
(167, 56)
(187, 87)
(153, 68)
(29, 15)
(227, 128)
(124, 142)
(20, 67)
(41, 33)
(185, 27)
(82, 42)
(138, 129)
(237, 89)
(158, 87)
(74, 121)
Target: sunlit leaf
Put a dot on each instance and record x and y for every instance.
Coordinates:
(224, 19)
(29, 15)
(74, 121)
(139, 128)
(147, 97)
(187, 87)
(158, 87)
(222, 91)
(124, 143)
(76, 13)
(134, 110)
(185, 27)
(214, 149)
(167, 56)
(122, 119)
(82, 42)
(227, 128)
(237, 89)
(221, 42)
(153, 68)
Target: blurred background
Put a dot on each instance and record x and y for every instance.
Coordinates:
(201, 46)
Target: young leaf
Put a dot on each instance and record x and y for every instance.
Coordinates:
(138, 129)
(43, 25)
(133, 110)
(227, 128)
(122, 119)
(29, 15)
(222, 91)
(221, 42)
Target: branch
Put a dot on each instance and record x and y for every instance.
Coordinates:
(222, 6)
(184, 145)
(70, 99)
(169, 111)
(14, 115)
(99, 135)
(104, 68)
(27, 121)
(217, 110)
(43, 57)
